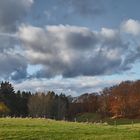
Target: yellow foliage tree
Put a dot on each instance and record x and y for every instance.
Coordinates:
(3, 109)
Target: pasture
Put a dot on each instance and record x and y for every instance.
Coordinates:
(44, 129)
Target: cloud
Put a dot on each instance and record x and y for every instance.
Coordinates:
(73, 51)
(13, 66)
(132, 57)
(69, 86)
(111, 39)
(69, 51)
(7, 41)
(11, 12)
(131, 26)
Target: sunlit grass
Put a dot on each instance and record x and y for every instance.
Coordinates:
(44, 129)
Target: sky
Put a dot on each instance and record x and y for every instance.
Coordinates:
(69, 46)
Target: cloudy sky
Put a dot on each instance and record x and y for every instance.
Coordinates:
(69, 46)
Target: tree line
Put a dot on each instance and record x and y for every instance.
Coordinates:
(119, 101)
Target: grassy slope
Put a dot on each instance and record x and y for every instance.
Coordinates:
(94, 117)
(91, 117)
(42, 129)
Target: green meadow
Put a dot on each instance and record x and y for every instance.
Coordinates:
(44, 129)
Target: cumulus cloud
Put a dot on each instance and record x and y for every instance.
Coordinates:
(11, 12)
(65, 50)
(131, 26)
(73, 51)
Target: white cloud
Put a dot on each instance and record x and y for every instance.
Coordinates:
(131, 26)
(109, 33)
(69, 86)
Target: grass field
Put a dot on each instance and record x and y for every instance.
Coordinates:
(43, 129)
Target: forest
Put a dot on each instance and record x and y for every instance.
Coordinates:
(118, 101)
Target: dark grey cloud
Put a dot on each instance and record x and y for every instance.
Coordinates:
(11, 12)
(20, 72)
(12, 65)
(73, 51)
(99, 64)
(82, 41)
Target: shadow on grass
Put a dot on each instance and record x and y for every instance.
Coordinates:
(122, 121)
(96, 118)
